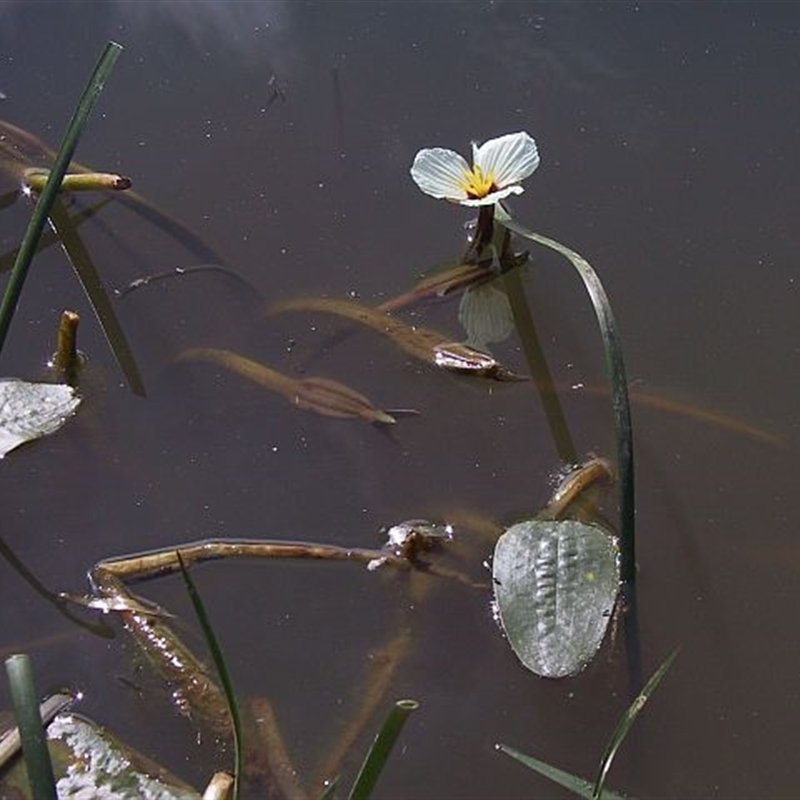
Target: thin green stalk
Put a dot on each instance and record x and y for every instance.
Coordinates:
(34, 741)
(222, 670)
(621, 731)
(39, 217)
(381, 748)
(619, 389)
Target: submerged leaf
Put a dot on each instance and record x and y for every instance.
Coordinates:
(555, 583)
(422, 343)
(30, 410)
(323, 396)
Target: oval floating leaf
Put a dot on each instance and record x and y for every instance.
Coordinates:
(31, 410)
(555, 584)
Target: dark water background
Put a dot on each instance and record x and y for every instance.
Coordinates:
(668, 134)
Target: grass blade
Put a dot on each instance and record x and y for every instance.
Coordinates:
(40, 213)
(627, 721)
(31, 730)
(222, 670)
(81, 261)
(381, 748)
(575, 784)
(619, 389)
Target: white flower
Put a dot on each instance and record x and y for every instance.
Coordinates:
(498, 166)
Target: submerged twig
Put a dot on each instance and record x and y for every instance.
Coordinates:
(326, 397)
(272, 750)
(441, 285)
(180, 272)
(154, 563)
(382, 670)
(427, 345)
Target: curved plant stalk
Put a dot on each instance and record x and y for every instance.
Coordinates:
(619, 388)
(48, 195)
(81, 261)
(381, 749)
(222, 671)
(31, 731)
(422, 343)
(621, 731)
(579, 786)
(326, 397)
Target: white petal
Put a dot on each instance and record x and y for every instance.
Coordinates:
(440, 173)
(492, 198)
(509, 159)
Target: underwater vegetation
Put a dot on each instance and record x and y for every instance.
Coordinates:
(559, 578)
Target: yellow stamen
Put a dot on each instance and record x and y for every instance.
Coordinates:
(478, 185)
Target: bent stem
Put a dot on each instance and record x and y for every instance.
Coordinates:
(619, 387)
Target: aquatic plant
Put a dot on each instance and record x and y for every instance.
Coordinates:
(498, 167)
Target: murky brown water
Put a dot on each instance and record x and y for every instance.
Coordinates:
(668, 140)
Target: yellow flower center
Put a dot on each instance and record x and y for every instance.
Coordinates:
(478, 185)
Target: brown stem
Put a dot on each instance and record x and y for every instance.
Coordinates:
(66, 360)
